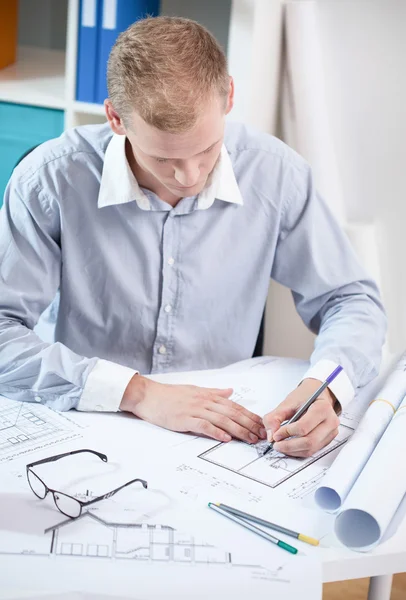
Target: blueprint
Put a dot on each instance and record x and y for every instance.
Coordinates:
(238, 468)
(77, 579)
(151, 556)
(274, 468)
(145, 538)
(27, 427)
(91, 536)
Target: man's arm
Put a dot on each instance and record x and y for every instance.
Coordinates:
(32, 370)
(30, 263)
(337, 300)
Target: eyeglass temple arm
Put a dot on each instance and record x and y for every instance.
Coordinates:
(103, 457)
(105, 496)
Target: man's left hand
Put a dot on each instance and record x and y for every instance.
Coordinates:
(314, 430)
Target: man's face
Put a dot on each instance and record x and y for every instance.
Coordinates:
(180, 162)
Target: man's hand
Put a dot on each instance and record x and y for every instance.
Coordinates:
(188, 408)
(314, 430)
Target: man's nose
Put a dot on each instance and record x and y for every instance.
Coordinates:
(187, 175)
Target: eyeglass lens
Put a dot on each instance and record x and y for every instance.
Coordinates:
(36, 485)
(67, 505)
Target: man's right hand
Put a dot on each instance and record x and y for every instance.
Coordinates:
(187, 408)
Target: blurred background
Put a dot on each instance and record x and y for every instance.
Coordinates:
(326, 76)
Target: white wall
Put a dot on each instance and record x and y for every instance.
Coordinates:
(365, 73)
(364, 59)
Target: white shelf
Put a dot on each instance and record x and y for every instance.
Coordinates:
(47, 78)
(37, 78)
(89, 108)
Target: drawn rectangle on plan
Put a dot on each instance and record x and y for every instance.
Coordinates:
(270, 470)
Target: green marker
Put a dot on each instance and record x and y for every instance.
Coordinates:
(257, 530)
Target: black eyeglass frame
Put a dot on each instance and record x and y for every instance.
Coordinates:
(82, 503)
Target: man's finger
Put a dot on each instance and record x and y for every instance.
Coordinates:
(241, 418)
(229, 426)
(304, 447)
(204, 427)
(238, 407)
(275, 418)
(225, 393)
(315, 415)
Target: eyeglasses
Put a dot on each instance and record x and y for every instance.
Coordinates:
(68, 505)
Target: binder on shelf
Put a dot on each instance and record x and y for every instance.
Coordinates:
(88, 47)
(8, 32)
(117, 16)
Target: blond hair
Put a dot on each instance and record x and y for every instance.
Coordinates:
(164, 68)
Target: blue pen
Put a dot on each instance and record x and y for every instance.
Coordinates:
(308, 402)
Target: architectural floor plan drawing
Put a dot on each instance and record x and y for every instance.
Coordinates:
(26, 426)
(271, 470)
(91, 536)
(145, 562)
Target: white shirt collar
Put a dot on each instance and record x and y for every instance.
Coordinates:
(119, 186)
(222, 184)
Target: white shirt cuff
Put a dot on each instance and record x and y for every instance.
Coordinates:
(105, 386)
(341, 386)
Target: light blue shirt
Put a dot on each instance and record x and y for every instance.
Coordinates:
(150, 288)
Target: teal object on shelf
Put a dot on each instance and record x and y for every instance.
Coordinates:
(21, 128)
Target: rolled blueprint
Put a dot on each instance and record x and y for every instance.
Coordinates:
(348, 465)
(379, 490)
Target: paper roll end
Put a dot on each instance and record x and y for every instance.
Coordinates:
(357, 529)
(327, 499)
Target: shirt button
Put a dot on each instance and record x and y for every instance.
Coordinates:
(171, 261)
(168, 308)
(162, 349)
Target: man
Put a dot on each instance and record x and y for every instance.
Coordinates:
(161, 230)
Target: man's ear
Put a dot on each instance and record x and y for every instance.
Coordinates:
(113, 118)
(230, 98)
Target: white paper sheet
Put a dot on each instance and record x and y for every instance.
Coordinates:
(131, 546)
(290, 371)
(256, 391)
(357, 451)
(271, 365)
(138, 449)
(45, 578)
(379, 490)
